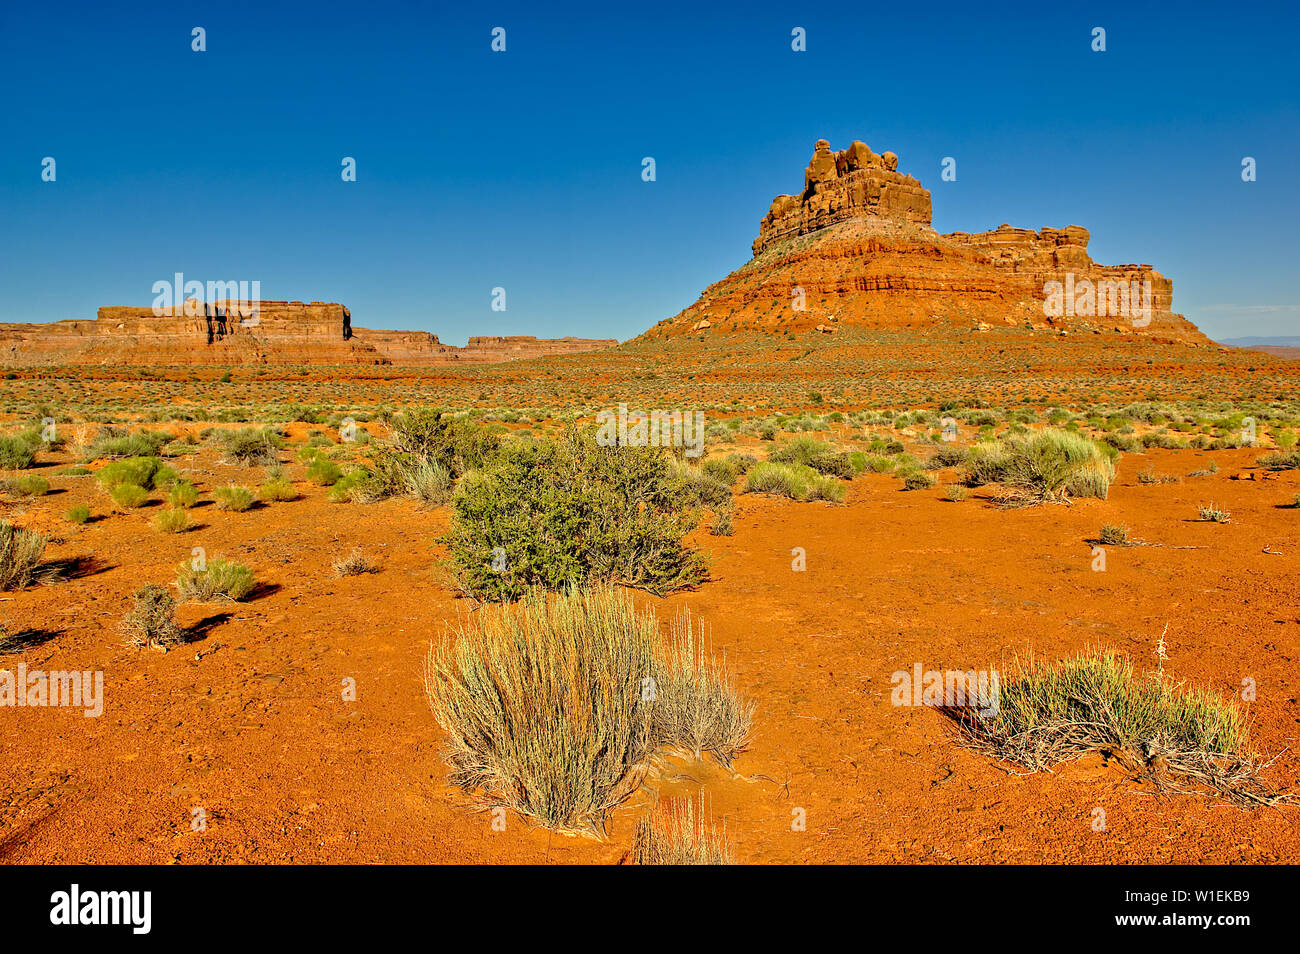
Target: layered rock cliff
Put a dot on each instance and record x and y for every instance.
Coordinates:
(280, 332)
(856, 248)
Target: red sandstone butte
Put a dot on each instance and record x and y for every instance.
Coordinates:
(283, 332)
(856, 248)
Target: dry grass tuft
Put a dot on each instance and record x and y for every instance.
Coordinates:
(152, 620)
(697, 708)
(683, 834)
(542, 705)
(557, 708)
(1096, 703)
(355, 564)
(20, 557)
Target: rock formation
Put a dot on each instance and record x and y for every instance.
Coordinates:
(842, 185)
(856, 248)
(281, 332)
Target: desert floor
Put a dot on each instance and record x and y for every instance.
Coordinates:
(248, 722)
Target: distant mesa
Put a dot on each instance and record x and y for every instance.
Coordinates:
(856, 248)
(282, 332)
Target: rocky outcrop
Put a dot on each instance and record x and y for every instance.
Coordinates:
(856, 248)
(842, 185)
(279, 332)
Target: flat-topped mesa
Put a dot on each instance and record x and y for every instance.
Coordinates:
(264, 332)
(195, 320)
(842, 185)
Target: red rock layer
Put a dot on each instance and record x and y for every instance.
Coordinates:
(856, 249)
(281, 332)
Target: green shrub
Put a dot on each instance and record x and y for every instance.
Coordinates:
(692, 487)
(218, 580)
(799, 450)
(1114, 534)
(20, 556)
(129, 496)
(114, 442)
(323, 472)
(822, 487)
(948, 456)
(164, 478)
(277, 488)
(355, 487)
(1279, 460)
(28, 485)
(554, 513)
(79, 514)
(172, 521)
(183, 495)
(250, 446)
(139, 471)
(918, 480)
(833, 464)
(782, 480)
(1096, 703)
(233, 497)
(15, 453)
(725, 470)
(423, 447)
(428, 481)
(1047, 465)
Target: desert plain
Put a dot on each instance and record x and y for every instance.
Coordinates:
(291, 723)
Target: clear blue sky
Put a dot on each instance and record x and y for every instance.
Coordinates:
(523, 169)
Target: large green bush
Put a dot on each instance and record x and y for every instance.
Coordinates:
(555, 513)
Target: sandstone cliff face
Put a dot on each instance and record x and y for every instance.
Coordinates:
(840, 186)
(282, 332)
(856, 248)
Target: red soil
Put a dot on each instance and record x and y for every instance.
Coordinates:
(249, 721)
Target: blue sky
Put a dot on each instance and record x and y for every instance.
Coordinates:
(522, 169)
